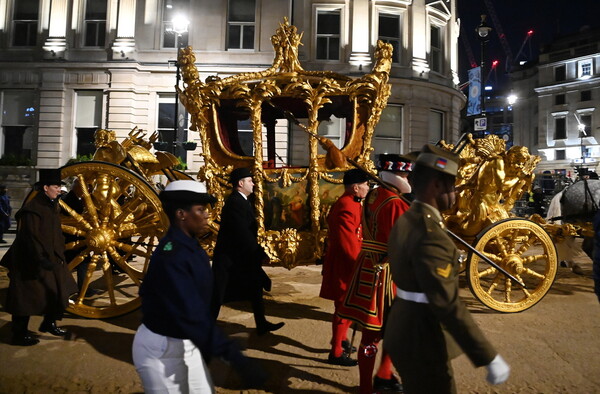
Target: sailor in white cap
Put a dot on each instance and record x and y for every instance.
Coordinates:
(177, 333)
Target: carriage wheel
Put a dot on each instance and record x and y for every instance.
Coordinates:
(111, 226)
(526, 251)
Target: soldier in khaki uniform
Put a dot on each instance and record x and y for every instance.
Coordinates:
(428, 319)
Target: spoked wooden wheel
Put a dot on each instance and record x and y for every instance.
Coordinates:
(524, 250)
(112, 220)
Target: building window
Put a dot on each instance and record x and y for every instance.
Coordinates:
(560, 128)
(559, 99)
(389, 28)
(88, 119)
(561, 154)
(25, 22)
(560, 73)
(437, 48)
(586, 95)
(584, 69)
(171, 9)
(95, 23)
(387, 137)
(18, 122)
(586, 120)
(436, 127)
(241, 18)
(328, 34)
(166, 120)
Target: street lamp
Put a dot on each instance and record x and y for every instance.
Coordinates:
(512, 98)
(483, 32)
(180, 26)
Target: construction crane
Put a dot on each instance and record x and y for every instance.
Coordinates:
(467, 45)
(525, 41)
(501, 35)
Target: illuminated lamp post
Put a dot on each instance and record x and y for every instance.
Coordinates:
(483, 32)
(180, 27)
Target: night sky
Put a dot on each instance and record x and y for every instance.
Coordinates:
(547, 18)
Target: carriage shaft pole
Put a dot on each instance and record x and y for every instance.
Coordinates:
(484, 258)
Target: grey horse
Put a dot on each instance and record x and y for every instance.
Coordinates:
(580, 201)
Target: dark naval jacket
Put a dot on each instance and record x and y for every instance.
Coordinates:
(176, 294)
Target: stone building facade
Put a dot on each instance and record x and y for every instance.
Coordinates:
(559, 96)
(69, 67)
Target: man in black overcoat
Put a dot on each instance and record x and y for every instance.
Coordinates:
(238, 257)
(40, 282)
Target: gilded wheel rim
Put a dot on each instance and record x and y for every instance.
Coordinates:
(111, 225)
(526, 251)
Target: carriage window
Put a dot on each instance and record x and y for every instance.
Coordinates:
(245, 136)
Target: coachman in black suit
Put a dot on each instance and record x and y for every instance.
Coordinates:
(238, 258)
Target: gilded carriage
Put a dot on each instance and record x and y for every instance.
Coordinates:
(112, 217)
(292, 196)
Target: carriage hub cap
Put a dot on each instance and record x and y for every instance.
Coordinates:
(100, 238)
(513, 264)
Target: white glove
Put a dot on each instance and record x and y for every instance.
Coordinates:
(498, 370)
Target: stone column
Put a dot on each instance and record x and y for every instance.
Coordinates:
(360, 55)
(124, 46)
(56, 44)
(419, 33)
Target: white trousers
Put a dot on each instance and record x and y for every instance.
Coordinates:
(169, 365)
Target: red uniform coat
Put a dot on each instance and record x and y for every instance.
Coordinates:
(344, 241)
(371, 291)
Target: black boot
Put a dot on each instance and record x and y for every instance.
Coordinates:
(21, 336)
(262, 325)
(49, 326)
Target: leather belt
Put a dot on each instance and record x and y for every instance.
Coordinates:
(412, 296)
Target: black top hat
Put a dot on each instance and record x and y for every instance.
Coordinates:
(186, 192)
(394, 162)
(50, 176)
(239, 173)
(355, 176)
